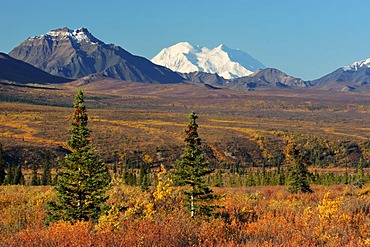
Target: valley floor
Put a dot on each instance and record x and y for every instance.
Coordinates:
(147, 118)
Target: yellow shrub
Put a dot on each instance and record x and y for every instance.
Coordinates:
(141, 207)
(109, 222)
(330, 218)
(163, 188)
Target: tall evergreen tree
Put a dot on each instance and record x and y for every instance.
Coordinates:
(9, 178)
(35, 180)
(46, 173)
(143, 178)
(18, 175)
(2, 165)
(115, 155)
(360, 176)
(298, 172)
(83, 177)
(191, 170)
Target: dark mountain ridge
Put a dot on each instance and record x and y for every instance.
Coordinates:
(267, 78)
(261, 79)
(18, 71)
(345, 80)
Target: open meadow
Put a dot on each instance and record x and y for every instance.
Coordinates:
(149, 118)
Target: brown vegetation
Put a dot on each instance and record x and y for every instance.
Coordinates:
(148, 118)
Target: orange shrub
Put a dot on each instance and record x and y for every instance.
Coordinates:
(254, 216)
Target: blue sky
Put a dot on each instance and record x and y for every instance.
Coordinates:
(304, 38)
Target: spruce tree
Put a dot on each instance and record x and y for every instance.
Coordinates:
(298, 173)
(46, 174)
(35, 178)
(9, 178)
(144, 177)
(360, 181)
(115, 162)
(191, 169)
(83, 177)
(18, 175)
(2, 165)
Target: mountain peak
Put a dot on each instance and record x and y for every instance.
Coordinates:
(61, 30)
(222, 47)
(353, 77)
(77, 36)
(184, 43)
(357, 65)
(228, 63)
(182, 47)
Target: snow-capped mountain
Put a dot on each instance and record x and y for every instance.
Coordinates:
(358, 65)
(228, 63)
(353, 77)
(77, 53)
(81, 35)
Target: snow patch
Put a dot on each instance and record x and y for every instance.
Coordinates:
(78, 35)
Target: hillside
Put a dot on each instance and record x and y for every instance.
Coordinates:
(354, 78)
(17, 71)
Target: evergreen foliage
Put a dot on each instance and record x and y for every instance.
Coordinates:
(129, 177)
(144, 177)
(298, 173)
(360, 181)
(46, 174)
(83, 177)
(191, 170)
(35, 180)
(9, 178)
(2, 165)
(18, 175)
(218, 179)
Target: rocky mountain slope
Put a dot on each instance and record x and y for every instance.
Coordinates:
(261, 79)
(267, 78)
(17, 71)
(354, 77)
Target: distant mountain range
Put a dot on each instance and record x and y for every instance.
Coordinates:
(264, 78)
(227, 63)
(77, 54)
(267, 78)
